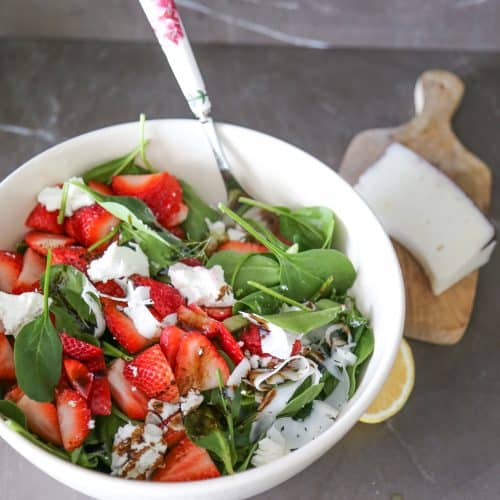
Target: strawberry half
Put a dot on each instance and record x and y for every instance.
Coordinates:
(170, 340)
(166, 299)
(78, 349)
(111, 288)
(31, 272)
(71, 256)
(43, 220)
(129, 399)
(10, 267)
(219, 313)
(243, 247)
(74, 418)
(89, 224)
(253, 344)
(186, 462)
(7, 367)
(41, 242)
(122, 327)
(100, 397)
(79, 376)
(150, 372)
(42, 418)
(197, 363)
(100, 188)
(161, 192)
(177, 218)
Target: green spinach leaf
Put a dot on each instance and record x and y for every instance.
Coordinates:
(365, 343)
(11, 411)
(259, 302)
(256, 267)
(299, 401)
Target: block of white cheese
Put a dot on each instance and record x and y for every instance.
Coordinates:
(429, 214)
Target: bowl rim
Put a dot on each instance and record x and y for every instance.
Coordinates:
(293, 461)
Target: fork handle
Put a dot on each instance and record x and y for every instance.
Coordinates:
(169, 30)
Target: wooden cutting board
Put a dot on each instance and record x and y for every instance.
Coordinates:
(439, 319)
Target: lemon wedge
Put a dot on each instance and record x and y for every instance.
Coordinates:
(396, 390)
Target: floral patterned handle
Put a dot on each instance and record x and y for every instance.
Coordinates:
(169, 30)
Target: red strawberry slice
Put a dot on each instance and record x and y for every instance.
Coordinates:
(219, 313)
(100, 188)
(186, 462)
(100, 397)
(179, 232)
(243, 247)
(79, 376)
(10, 267)
(122, 327)
(43, 220)
(197, 363)
(166, 299)
(161, 192)
(7, 368)
(177, 217)
(170, 340)
(97, 364)
(150, 372)
(42, 418)
(129, 398)
(31, 272)
(71, 256)
(89, 224)
(110, 288)
(41, 242)
(74, 418)
(78, 349)
(192, 262)
(251, 340)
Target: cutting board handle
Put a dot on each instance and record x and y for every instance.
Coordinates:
(437, 95)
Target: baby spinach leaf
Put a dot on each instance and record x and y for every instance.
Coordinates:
(114, 352)
(195, 224)
(38, 352)
(365, 344)
(259, 302)
(11, 411)
(304, 321)
(275, 292)
(310, 227)
(105, 428)
(297, 402)
(228, 260)
(66, 321)
(256, 267)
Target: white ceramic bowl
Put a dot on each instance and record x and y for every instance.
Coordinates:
(275, 172)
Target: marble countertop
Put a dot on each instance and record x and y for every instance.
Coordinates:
(444, 445)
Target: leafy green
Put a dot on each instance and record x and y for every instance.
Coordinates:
(68, 322)
(105, 429)
(195, 224)
(235, 323)
(365, 343)
(143, 143)
(310, 227)
(38, 352)
(64, 201)
(300, 400)
(303, 273)
(304, 321)
(274, 292)
(114, 352)
(260, 302)
(11, 411)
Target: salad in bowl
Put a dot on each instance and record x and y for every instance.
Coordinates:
(150, 336)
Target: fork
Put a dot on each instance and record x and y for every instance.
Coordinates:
(171, 35)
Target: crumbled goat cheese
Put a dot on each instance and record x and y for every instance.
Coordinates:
(51, 197)
(138, 299)
(18, 310)
(191, 401)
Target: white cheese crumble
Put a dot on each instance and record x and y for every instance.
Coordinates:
(191, 401)
(119, 262)
(137, 301)
(429, 214)
(239, 373)
(236, 234)
(90, 296)
(51, 198)
(201, 286)
(18, 310)
(270, 448)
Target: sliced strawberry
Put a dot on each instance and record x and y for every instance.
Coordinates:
(89, 224)
(41, 242)
(251, 340)
(177, 217)
(111, 288)
(31, 272)
(296, 348)
(43, 220)
(7, 368)
(219, 313)
(192, 261)
(186, 462)
(179, 232)
(79, 376)
(74, 418)
(122, 327)
(129, 399)
(161, 192)
(100, 397)
(150, 372)
(170, 340)
(100, 188)
(243, 247)
(197, 364)
(166, 299)
(10, 267)
(41, 417)
(71, 256)
(96, 364)
(78, 349)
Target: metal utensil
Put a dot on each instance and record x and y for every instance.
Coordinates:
(169, 30)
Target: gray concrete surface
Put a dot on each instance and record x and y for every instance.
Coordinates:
(444, 445)
(455, 24)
